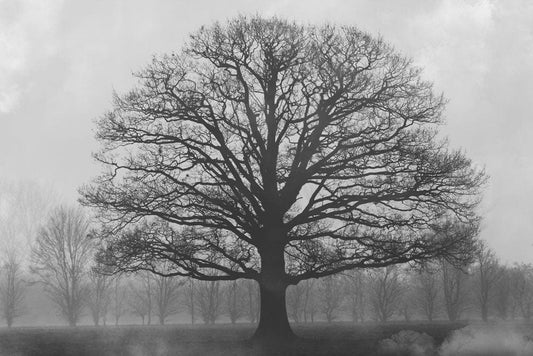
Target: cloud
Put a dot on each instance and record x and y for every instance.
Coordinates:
(454, 36)
(27, 30)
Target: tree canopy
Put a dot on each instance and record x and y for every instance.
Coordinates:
(265, 148)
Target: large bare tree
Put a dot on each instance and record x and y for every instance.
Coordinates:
(60, 259)
(278, 152)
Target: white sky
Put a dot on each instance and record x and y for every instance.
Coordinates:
(61, 60)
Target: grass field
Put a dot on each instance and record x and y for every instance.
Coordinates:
(315, 339)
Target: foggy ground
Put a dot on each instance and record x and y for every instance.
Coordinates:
(221, 339)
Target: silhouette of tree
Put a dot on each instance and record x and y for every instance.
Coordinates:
(276, 152)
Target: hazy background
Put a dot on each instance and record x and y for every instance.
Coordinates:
(61, 60)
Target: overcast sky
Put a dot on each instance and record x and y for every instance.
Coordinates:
(61, 60)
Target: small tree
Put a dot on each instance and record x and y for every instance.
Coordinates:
(503, 300)
(331, 297)
(310, 300)
(407, 304)
(142, 296)
(488, 272)
(190, 299)
(295, 302)
(119, 298)
(235, 301)
(166, 296)
(427, 291)
(12, 287)
(209, 300)
(522, 289)
(60, 257)
(356, 285)
(98, 295)
(454, 290)
(385, 292)
(252, 301)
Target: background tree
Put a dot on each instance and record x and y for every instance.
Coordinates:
(235, 301)
(427, 291)
(310, 300)
(356, 287)
(252, 300)
(488, 272)
(98, 295)
(119, 299)
(23, 207)
(189, 299)
(142, 299)
(277, 152)
(385, 292)
(408, 294)
(62, 252)
(522, 289)
(331, 297)
(295, 302)
(209, 300)
(166, 296)
(12, 287)
(454, 290)
(503, 301)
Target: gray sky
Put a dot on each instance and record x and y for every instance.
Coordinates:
(61, 60)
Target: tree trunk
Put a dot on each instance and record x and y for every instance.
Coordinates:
(273, 326)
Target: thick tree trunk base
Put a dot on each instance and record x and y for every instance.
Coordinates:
(267, 342)
(273, 335)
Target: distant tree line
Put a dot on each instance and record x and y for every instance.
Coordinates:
(61, 255)
(62, 260)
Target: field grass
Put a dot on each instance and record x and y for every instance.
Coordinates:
(220, 339)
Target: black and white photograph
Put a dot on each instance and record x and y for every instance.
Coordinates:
(253, 177)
